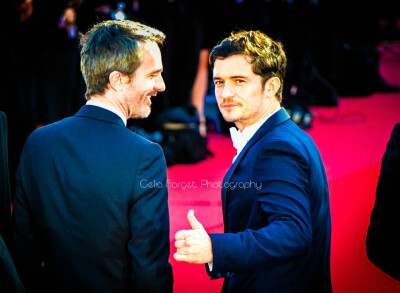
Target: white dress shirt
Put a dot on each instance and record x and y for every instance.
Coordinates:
(240, 139)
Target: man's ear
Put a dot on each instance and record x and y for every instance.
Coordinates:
(117, 80)
(272, 86)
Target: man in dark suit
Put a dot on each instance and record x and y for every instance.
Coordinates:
(91, 207)
(382, 241)
(275, 197)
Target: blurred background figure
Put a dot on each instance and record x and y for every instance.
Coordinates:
(18, 99)
(5, 195)
(359, 35)
(9, 278)
(43, 82)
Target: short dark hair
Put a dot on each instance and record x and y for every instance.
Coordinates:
(268, 56)
(113, 45)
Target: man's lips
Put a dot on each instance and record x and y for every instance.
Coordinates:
(229, 105)
(150, 95)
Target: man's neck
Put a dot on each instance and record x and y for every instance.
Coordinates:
(107, 104)
(111, 100)
(241, 125)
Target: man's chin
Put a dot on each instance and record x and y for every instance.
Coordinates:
(141, 115)
(145, 115)
(230, 118)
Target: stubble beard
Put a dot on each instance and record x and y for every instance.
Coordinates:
(232, 116)
(143, 113)
(142, 108)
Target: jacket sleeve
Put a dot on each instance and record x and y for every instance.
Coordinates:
(149, 224)
(24, 250)
(283, 174)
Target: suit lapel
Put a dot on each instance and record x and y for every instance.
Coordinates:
(276, 119)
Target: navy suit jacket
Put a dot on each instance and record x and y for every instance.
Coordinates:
(276, 210)
(91, 208)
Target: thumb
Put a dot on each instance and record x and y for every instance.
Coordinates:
(193, 221)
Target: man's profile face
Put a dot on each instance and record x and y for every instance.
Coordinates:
(239, 91)
(145, 83)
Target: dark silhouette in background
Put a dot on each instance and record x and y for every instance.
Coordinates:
(382, 241)
(5, 194)
(43, 83)
(9, 278)
(358, 35)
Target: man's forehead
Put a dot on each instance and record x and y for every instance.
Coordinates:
(151, 59)
(150, 46)
(235, 65)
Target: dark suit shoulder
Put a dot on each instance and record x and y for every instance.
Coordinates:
(139, 139)
(288, 133)
(72, 125)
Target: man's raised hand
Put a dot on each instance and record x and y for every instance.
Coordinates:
(193, 246)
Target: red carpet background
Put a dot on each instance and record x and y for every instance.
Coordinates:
(352, 139)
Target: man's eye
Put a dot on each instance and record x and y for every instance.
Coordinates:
(218, 82)
(240, 81)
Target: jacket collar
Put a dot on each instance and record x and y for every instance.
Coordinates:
(276, 119)
(98, 113)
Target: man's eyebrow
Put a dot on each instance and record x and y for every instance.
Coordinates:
(233, 77)
(156, 71)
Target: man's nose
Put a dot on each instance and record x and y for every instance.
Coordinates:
(226, 91)
(160, 85)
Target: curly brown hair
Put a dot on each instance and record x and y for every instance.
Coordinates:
(268, 56)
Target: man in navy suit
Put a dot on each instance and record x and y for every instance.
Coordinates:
(91, 207)
(275, 196)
